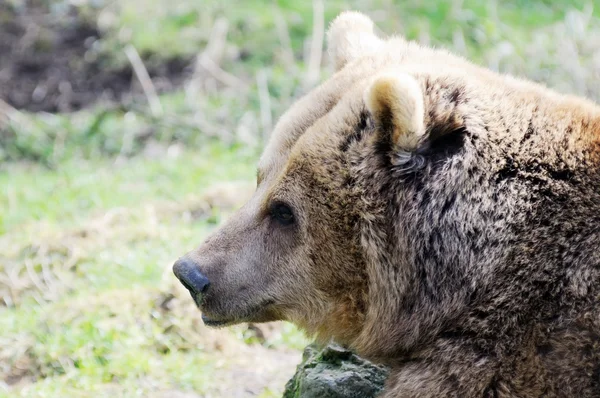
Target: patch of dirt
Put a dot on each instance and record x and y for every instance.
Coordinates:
(51, 64)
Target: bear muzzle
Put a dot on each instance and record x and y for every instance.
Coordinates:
(188, 273)
(197, 283)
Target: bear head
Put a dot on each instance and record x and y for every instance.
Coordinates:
(387, 198)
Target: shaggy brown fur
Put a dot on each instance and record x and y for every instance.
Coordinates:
(445, 220)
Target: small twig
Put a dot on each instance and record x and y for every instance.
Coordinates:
(200, 122)
(224, 77)
(211, 57)
(284, 38)
(36, 281)
(9, 114)
(215, 48)
(47, 278)
(283, 31)
(7, 292)
(144, 78)
(265, 103)
(316, 46)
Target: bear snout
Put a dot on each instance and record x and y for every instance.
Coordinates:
(190, 276)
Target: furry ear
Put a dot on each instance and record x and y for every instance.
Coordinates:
(351, 36)
(396, 103)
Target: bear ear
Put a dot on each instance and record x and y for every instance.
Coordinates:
(396, 103)
(351, 36)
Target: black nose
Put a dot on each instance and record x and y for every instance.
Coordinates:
(190, 276)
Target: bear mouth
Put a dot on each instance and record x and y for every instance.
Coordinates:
(257, 313)
(216, 323)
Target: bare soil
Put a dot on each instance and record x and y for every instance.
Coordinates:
(49, 63)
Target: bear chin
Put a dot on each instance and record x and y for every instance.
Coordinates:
(260, 313)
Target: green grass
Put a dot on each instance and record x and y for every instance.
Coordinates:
(34, 193)
(119, 227)
(173, 26)
(96, 205)
(141, 201)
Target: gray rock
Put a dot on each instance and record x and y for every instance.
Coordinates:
(334, 372)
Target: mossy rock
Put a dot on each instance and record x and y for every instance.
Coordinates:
(335, 372)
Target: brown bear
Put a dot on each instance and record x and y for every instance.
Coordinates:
(430, 214)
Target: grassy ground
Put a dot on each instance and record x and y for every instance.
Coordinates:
(96, 205)
(92, 305)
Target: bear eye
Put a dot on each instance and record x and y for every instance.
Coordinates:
(282, 213)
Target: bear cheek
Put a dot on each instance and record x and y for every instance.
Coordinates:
(267, 271)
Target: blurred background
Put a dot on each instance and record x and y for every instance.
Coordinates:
(129, 129)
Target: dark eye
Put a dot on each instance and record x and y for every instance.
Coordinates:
(282, 213)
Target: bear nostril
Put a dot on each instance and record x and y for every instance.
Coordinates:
(190, 276)
(204, 288)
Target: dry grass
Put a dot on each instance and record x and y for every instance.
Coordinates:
(45, 267)
(162, 323)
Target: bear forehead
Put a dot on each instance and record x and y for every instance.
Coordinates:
(310, 116)
(317, 117)
(313, 148)
(324, 136)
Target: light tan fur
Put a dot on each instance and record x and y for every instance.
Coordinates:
(398, 97)
(350, 36)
